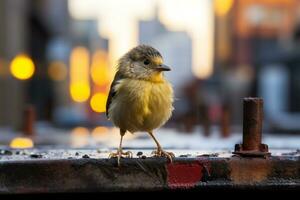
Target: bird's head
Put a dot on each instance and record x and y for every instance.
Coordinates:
(142, 62)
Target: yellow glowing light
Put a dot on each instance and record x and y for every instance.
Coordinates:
(22, 67)
(79, 74)
(100, 71)
(222, 7)
(98, 102)
(57, 71)
(21, 143)
(80, 92)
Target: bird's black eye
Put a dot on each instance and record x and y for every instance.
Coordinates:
(146, 62)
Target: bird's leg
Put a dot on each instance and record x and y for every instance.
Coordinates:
(120, 153)
(159, 152)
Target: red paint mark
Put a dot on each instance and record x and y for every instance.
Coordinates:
(184, 175)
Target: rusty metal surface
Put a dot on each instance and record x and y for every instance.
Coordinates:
(84, 170)
(252, 129)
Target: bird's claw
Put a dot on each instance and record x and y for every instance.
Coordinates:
(162, 153)
(121, 154)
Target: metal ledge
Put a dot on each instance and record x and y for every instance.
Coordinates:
(51, 171)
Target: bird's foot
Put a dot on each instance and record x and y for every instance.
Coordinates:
(120, 154)
(162, 153)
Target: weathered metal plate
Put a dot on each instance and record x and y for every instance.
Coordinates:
(82, 170)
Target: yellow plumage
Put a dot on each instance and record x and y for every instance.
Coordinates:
(140, 98)
(142, 105)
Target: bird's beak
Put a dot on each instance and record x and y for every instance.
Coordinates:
(163, 68)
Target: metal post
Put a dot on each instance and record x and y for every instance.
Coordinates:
(28, 121)
(252, 129)
(225, 121)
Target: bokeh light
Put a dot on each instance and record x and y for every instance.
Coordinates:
(100, 71)
(79, 136)
(99, 131)
(22, 67)
(80, 91)
(79, 74)
(21, 143)
(80, 131)
(222, 7)
(98, 102)
(57, 71)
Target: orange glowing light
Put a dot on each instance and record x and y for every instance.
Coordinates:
(99, 131)
(80, 131)
(57, 71)
(22, 67)
(79, 74)
(222, 7)
(21, 143)
(100, 71)
(98, 102)
(79, 136)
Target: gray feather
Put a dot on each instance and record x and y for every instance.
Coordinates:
(112, 92)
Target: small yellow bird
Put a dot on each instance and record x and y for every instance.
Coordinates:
(140, 98)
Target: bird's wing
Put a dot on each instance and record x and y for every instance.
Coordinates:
(112, 91)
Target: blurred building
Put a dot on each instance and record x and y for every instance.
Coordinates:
(175, 47)
(29, 27)
(256, 53)
(257, 59)
(14, 21)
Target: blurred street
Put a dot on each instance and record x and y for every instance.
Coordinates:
(108, 138)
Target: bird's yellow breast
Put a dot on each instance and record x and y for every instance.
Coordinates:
(141, 105)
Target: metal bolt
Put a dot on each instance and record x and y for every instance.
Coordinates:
(252, 129)
(29, 120)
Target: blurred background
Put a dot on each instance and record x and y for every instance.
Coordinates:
(58, 58)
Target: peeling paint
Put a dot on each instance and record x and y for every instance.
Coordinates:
(187, 175)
